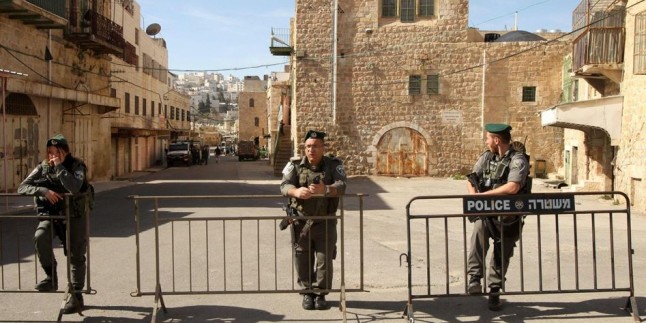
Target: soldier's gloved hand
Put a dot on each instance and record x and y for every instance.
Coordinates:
(53, 197)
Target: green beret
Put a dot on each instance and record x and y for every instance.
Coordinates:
(57, 141)
(497, 128)
(315, 134)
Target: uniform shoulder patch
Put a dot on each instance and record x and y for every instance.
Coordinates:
(340, 170)
(79, 174)
(288, 168)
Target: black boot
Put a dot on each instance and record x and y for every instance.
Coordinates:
(74, 304)
(50, 283)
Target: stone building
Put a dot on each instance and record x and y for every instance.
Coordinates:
(252, 111)
(603, 113)
(409, 89)
(151, 112)
(57, 80)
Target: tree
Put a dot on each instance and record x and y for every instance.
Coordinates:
(202, 108)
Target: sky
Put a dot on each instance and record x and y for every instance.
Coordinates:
(228, 37)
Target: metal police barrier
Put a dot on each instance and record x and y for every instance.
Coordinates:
(561, 249)
(17, 246)
(231, 253)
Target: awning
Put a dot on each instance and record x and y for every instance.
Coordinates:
(44, 90)
(601, 114)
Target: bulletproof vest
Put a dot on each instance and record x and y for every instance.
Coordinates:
(307, 176)
(496, 173)
(50, 180)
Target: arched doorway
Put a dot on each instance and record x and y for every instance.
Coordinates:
(21, 133)
(402, 152)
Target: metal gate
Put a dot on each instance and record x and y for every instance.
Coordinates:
(19, 265)
(233, 253)
(561, 249)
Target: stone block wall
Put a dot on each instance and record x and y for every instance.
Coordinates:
(630, 165)
(373, 85)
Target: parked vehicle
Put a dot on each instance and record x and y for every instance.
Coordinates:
(179, 153)
(247, 150)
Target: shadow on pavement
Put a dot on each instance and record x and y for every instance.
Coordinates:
(474, 309)
(201, 313)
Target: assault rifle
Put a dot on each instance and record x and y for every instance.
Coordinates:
(292, 213)
(488, 222)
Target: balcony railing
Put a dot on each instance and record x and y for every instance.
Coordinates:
(94, 31)
(599, 27)
(280, 42)
(42, 14)
(57, 7)
(130, 54)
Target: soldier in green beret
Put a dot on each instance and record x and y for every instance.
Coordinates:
(58, 174)
(500, 170)
(314, 240)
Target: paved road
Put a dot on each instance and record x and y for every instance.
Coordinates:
(114, 275)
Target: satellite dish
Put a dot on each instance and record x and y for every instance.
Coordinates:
(153, 29)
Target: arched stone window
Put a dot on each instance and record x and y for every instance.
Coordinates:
(251, 103)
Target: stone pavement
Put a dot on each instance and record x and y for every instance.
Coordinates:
(384, 300)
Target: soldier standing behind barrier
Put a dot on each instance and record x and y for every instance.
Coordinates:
(314, 240)
(59, 174)
(501, 170)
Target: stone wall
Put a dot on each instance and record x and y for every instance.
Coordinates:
(630, 163)
(376, 58)
(248, 130)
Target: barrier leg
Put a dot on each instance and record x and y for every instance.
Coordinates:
(408, 311)
(342, 304)
(631, 306)
(159, 299)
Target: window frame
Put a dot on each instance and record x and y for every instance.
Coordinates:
(136, 105)
(414, 84)
(639, 50)
(127, 102)
(389, 8)
(433, 84)
(407, 10)
(424, 7)
(527, 97)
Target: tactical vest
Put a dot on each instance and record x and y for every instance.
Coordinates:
(496, 172)
(307, 176)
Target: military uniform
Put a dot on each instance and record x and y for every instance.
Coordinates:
(314, 254)
(516, 171)
(70, 176)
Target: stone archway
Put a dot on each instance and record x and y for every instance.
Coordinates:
(402, 151)
(21, 133)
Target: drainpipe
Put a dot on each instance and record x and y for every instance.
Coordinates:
(482, 100)
(334, 58)
(49, 82)
(4, 137)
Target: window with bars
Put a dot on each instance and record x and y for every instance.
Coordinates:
(389, 8)
(426, 8)
(433, 84)
(529, 94)
(414, 84)
(256, 121)
(136, 104)
(144, 107)
(407, 10)
(127, 103)
(639, 64)
(152, 108)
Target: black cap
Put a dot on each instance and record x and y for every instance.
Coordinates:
(315, 134)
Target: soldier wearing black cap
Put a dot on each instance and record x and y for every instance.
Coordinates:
(57, 175)
(501, 170)
(314, 240)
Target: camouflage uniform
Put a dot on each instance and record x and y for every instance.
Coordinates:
(67, 177)
(314, 254)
